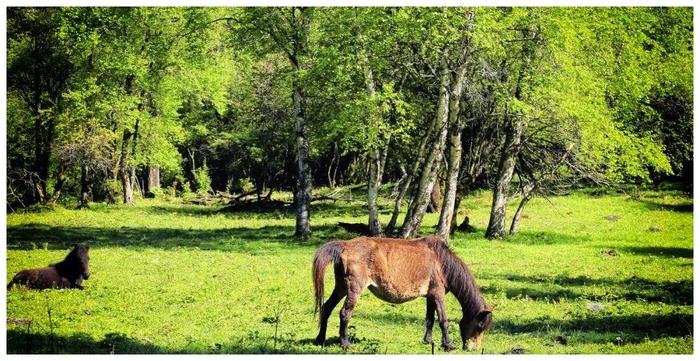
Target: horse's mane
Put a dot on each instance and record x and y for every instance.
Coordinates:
(71, 265)
(460, 281)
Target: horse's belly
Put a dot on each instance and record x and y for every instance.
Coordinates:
(395, 295)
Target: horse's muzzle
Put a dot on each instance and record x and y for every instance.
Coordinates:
(86, 275)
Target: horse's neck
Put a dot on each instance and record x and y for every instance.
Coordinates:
(64, 269)
(468, 296)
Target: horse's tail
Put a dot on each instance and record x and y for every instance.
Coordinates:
(329, 252)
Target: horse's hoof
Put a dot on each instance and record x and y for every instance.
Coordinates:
(345, 345)
(447, 347)
(427, 340)
(320, 341)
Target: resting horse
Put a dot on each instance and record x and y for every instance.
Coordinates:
(396, 271)
(68, 273)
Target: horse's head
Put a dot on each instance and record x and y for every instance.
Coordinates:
(80, 258)
(473, 329)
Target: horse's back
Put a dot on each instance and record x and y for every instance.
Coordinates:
(396, 270)
(41, 278)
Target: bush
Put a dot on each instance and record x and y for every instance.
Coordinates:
(202, 179)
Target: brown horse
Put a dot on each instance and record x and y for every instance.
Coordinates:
(68, 273)
(396, 271)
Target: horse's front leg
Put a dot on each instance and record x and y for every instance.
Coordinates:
(78, 283)
(346, 313)
(442, 318)
(429, 320)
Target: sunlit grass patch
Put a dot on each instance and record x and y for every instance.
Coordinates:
(177, 278)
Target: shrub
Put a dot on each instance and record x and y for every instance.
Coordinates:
(202, 179)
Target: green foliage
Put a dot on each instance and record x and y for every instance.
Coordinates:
(213, 85)
(202, 179)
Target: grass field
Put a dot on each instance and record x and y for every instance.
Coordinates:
(175, 278)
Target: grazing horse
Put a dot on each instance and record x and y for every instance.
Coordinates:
(68, 273)
(396, 271)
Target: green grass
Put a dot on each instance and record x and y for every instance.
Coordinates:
(174, 278)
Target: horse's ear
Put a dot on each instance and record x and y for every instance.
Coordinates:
(482, 317)
(483, 314)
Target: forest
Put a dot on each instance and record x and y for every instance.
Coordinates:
(195, 128)
(112, 104)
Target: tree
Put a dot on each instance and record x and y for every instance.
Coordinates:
(453, 59)
(286, 31)
(38, 71)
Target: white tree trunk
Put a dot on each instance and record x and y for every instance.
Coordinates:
(454, 156)
(419, 204)
(497, 219)
(303, 225)
(374, 158)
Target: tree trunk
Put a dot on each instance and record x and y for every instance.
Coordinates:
(419, 204)
(134, 142)
(404, 184)
(43, 135)
(60, 182)
(497, 219)
(527, 192)
(450, 200)
(84, 187)
(454, 156)
(135, 181)
(334, 161)
(374, 159)
(373, 184)
(153, 178)
(124, 173)
(193, 165)
(303, 226)
(455, 213)
(435, 197)
(420, 156)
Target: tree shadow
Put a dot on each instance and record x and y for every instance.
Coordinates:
(669, 252)
(28, 342)
(340, 209)
(632, 289)
(23, 342)
(247, 239)
(685, 207)
(533, 293)
(545, 238)
(636, 328)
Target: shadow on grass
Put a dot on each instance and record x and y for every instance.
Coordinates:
(632, 289)
(636, 328)
(319, 209)
(661, 251)
(228, 239)
(686, 207)
(23, 342)
(27, 342)
(543, 238)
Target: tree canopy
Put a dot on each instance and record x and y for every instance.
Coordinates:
(108, 104)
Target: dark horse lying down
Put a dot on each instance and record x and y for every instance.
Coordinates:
(396, 271)
(68, 273)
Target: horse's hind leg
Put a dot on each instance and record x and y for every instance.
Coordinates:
(429, 320)
(354, 292)
(338, 293)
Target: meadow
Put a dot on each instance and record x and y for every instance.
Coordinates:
(591, 272)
